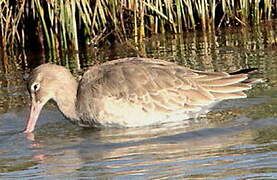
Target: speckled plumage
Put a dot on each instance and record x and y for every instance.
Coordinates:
(135, 91)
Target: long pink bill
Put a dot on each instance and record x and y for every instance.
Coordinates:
(33, 116)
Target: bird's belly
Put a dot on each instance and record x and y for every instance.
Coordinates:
(116, 113)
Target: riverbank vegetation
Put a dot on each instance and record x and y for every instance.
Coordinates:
(60, 25)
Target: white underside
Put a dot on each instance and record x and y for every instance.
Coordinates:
(116, 113)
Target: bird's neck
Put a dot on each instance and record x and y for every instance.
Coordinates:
(66, 99)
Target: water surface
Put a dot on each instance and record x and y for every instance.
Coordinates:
(238, 140)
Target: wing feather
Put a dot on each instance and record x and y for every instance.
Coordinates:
(224, 81)
(163, 86)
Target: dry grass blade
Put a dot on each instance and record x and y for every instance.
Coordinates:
(64, 24)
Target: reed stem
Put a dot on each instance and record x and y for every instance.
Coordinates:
(67, 23)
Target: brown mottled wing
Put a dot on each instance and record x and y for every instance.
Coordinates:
(160, 86)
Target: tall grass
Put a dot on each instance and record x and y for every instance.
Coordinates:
(10, 17)
(67, 24)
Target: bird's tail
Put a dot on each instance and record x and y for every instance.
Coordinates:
(250, 71)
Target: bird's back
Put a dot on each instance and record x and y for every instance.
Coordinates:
(140, 91)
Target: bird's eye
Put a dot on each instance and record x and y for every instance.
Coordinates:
(35, 87)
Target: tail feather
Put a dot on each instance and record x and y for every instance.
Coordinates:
(223, 96)
(224, 81)
(249, 80)
(228, 88)
(244, 71)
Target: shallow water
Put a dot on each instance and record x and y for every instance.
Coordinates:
(237, 140)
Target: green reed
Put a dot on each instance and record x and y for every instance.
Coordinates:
(67, 24)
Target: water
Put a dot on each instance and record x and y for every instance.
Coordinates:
(238, 140)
